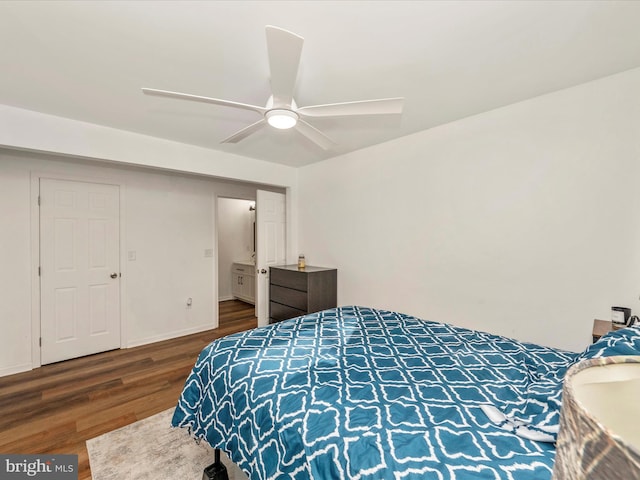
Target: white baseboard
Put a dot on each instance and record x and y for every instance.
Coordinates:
(224, 299)
(169, 336)
(25, 367)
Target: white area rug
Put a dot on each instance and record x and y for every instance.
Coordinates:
(152, 450)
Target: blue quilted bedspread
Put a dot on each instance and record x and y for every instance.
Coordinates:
(357, 393)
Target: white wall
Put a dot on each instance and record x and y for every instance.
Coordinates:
(169, 224)
(167, 219)
(522, 221)
(27, 130)
(15, 281)
(235, 239)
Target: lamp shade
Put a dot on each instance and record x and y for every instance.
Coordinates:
(599, 436)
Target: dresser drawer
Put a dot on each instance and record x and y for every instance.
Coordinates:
(289, 296)
(279, 312)
(289, 278)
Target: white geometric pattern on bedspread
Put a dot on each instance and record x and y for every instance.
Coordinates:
(359, 393)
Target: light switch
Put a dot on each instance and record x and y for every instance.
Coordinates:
(208, 252)
(131, 255)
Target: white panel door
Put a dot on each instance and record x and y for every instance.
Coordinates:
(270, 248)
(80, 272)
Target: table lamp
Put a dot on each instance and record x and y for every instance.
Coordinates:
(599, 436)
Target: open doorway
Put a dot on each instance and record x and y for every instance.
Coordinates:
(236, 257)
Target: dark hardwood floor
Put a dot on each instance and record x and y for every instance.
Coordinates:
(56, 408)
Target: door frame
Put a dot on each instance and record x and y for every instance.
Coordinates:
(36, 175)
(291, 233)
(216, 249)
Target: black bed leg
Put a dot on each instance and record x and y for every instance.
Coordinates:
(216, 471)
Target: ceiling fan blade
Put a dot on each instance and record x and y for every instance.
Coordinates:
(197, 98)
(383, 106)
(315, 135)
(284, 50)
(245, 132)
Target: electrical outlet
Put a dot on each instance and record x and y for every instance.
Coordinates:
(208, 252)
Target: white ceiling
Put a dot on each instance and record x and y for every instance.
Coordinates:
(87, 60)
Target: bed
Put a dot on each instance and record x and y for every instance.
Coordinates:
(360, 393)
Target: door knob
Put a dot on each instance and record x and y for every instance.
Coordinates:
(263, 271)
(114, 275)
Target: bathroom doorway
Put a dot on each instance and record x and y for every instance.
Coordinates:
(236, 250)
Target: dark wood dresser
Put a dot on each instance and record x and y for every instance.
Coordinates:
(294, 292)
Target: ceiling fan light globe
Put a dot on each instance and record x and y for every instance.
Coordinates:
(281, 118)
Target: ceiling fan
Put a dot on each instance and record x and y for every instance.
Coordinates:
(281, 111)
